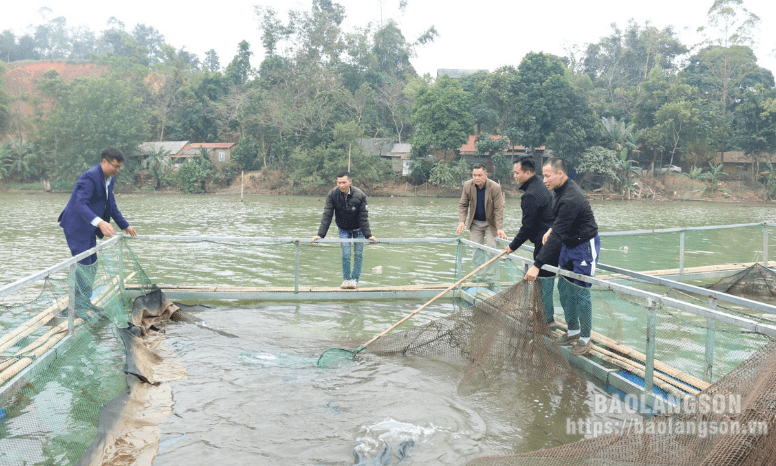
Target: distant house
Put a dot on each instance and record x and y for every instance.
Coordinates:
(147, 150)
(469, 150)
(739, 163)
(397, 154)
(218, 152)
(400, 158)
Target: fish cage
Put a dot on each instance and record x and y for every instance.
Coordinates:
(103, 383)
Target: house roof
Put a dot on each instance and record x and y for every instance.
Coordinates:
(376, 146)
(169, 147)
(401, 149)
(738, 156)
(193, 150)
(471, 148)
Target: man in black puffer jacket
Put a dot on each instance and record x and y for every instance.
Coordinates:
(574, 240)
(347, 204)
(536, 205)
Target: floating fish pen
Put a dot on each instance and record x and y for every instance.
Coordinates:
(201, 349)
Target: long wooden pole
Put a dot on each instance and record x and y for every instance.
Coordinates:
(432, 300)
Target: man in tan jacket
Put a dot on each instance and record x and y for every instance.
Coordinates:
(481, 209)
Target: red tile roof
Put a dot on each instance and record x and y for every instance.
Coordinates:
(470, 146)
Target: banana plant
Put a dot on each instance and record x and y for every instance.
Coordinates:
(713, 175)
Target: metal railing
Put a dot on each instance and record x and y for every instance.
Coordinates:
(709, 312)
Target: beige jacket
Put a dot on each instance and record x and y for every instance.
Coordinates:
(494, 205)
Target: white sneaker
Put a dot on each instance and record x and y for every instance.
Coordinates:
(345, 284)
(353, 284)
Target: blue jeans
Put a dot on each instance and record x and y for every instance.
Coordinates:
(359, 254)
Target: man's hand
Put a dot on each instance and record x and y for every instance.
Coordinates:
(532, 273)
(546, 236)
(131, 231)
(372, 239)
(509, 250)
(460, 228)
(106, 229)
(316, 238)
(501, 234)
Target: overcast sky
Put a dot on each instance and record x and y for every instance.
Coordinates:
(484, 34)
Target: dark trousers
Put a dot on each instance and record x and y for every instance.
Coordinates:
(85, 270)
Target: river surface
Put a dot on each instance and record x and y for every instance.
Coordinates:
(260, 399)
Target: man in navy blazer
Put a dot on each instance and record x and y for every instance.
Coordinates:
(87, 216)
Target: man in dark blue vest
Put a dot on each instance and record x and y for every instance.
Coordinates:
(87, 216)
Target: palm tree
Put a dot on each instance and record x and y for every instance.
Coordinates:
(619, 134)
(19, 161)
(625, 167)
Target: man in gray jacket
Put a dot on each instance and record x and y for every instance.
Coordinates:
(348, 205)
(481, 210)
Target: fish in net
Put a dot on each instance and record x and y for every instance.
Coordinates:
(497, 339)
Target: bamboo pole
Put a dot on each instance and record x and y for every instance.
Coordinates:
(41, 345)
(44, 317)
(663, 381)
(33, 324)
(642, 358)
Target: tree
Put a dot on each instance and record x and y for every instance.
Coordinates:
(727, 60)
(211, 62)
(152, 40)
(599, 161)
(93, 113)
(5, 102)
(714, 174)
(392, 52)
(319, 166)
(392, 98)
(441, 117)
(754, 124)
(193, 175)
(549, 111)
(20, 161)
(239, 69)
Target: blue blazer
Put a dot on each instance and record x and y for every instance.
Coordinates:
(88, 201)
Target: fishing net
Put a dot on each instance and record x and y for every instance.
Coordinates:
(735, 426)
(755, 280)
(498, 339)
(93, 396)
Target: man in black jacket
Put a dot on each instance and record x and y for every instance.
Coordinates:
(348, 205)
(536, 204)
(574, 237)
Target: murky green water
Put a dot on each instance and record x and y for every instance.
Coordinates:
(260, 399)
